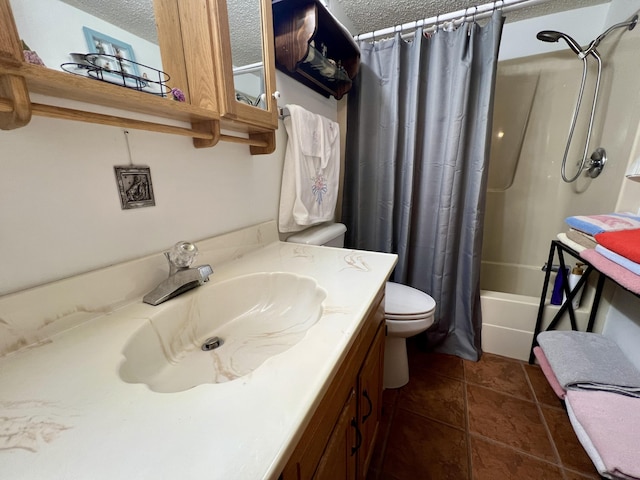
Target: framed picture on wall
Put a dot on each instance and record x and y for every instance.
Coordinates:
(113, 49)
(134, 186)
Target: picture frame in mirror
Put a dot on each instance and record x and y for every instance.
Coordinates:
(105, 45)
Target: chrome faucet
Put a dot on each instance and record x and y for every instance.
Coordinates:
(181, 277)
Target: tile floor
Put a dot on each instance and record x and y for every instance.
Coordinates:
(496, 419)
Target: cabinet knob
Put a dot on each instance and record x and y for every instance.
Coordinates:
(276, 95)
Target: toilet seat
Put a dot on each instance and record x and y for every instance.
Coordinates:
(407, 303)
(407, 328)
(406, 318)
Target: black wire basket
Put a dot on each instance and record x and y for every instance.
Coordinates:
(119, 71)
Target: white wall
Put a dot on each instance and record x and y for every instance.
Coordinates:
(60, 212)
(621, 10)
(582, 24)
(629, 198)
(66, 36)
(336, 9)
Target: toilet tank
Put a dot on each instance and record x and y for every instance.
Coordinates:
(328, 234)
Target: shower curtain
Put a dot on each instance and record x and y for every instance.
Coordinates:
(418, 137)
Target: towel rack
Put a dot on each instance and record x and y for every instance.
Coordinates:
(560, 248)
(283, 112)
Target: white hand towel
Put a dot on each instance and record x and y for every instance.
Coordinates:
(311, 170)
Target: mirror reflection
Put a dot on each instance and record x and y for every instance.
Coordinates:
(245, 25)
(125, 42)
(100, 40)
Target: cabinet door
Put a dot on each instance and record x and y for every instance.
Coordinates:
(370, 400)
(338, 461)
(246, 61)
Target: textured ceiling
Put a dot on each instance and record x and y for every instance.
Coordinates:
(136, 16)
(369, 15)
(244, 25)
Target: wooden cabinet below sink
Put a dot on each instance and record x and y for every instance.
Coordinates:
(339, 440)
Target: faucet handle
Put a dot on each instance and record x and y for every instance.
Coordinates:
(205, 271)
(182, 254)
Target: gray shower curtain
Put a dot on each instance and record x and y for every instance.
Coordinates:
(418, 137)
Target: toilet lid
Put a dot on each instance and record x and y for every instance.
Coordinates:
(401, 300)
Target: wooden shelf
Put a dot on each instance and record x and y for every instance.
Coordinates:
(59, 84)
(189, 51)
(312, 47)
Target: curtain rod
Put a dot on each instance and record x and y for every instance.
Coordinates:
(457, 17)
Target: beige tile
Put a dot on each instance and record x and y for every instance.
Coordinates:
(492, 461)
(423, 364)
(509, 438)
(508, 420)
(569, 448)
(436, 397)
(420, 448)
(499, 373)
(543, 392)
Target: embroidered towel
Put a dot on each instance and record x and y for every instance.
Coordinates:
(625, 243)
(612, 222)
(311, 169)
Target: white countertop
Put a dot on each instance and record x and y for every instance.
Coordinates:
(65, 413)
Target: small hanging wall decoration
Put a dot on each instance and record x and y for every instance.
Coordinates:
(134, 183)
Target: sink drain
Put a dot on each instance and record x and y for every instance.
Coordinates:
(211, 343)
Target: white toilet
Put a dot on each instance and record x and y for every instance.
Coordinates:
(408, 311)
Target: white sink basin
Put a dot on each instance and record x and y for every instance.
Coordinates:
(256, 316)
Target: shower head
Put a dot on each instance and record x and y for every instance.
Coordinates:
(549, 36)
(553, 36)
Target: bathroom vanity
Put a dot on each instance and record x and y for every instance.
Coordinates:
(340, 438)
(73, 406)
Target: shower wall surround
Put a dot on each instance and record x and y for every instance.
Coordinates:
(522, 219)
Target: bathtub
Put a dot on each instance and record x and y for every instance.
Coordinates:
(509, 297)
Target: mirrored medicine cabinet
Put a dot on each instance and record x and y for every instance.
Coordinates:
(218, 53)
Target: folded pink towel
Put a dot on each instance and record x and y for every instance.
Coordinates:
(545, 366)
(625, 243)
(624, 277)
(619, 259)
(611, 423)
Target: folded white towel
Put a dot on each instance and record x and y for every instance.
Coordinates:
(311, 170)
(570, 243)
